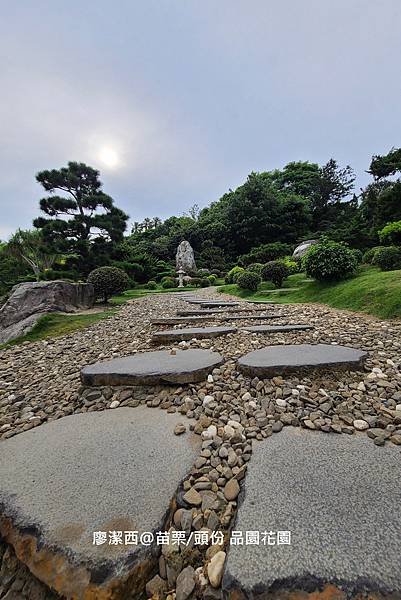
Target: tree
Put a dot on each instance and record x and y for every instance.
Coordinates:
(82, 214)
(30, 247)
(108, 281)
(384, 166)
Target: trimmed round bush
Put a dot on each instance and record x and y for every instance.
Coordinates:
(204, 282)
(391, 233)
(212, 279)
(248, 281)
(275, 271)
(151, 285)
(388, 258)
(291, 264)
(255, 268)
(168, 282)
(195, 281)
(231, 275)
(329, 261)
(108, 281)
(369, 255)
(358, 255)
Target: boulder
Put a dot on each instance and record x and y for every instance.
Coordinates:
(29, 301)
(184, 258)
(303, 248)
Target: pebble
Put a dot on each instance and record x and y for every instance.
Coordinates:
(231, 489)
(215, 568)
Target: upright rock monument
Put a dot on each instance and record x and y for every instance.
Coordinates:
(184, 259)
(303, 248)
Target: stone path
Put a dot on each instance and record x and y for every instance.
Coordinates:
(98, 471)
(339, 497)
(232, 413)
(152, 368)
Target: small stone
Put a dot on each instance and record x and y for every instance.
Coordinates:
(396, 439)
(277, 426)
(179, 429)
(231, 489)
(360, 424)
(193, 497)
(156, 587)
(185, 583)
(215, 568)
(115, 404)
(308, 424)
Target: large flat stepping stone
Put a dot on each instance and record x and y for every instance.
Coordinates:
(111, 471)
(200, 312)
(179, 320)
(340, 498)
(152, 368)
(260, 301)
(253, 317)
(274, 360)
(188, 333)
(213, 303)
(275, 328)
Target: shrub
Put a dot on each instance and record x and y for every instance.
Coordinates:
(329, 261)
(266, 253)
(275, 271)
(212, 279)
(388, 258)
(358, 255)
(235, 271)
(256, 268)
(391, 233)
(369, 256)
(195, 281)
(291, 264)
(204, 282)
(248, 281)
(108, 281)
(151, 285)
(168, 282)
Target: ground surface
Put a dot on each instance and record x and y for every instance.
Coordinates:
(40, 382)
(339, 497)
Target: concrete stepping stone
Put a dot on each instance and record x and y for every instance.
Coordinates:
(180, 320)
(213, 303)
(260, 301)
(200, 311)
(253, 317)
(274, 360)
(188, 333)
(110, 471)
(151, 368)
(275, 328)
(278, 290)
(339, 496)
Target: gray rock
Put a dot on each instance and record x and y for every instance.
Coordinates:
(184, 258)
(274, 360)
(152, 367)
(327, 491)
(29, 301)
(98, 471)
(188, 333)
(185, 583)
(303, 248)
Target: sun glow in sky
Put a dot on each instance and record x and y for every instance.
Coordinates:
(109, 157)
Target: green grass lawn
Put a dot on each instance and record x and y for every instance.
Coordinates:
(58, 324)
(372, 291)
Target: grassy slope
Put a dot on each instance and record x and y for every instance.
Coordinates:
(371, 291)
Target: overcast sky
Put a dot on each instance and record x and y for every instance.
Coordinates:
(191, 95)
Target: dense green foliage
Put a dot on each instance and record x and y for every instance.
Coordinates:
(329, 261)
(388, 258)
(275, 271)
(108, 281)
(260, 221)
(391, 233)
(248, 280)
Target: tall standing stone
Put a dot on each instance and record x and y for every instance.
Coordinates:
(184, 258)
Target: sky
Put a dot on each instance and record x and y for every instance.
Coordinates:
(176, 101)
